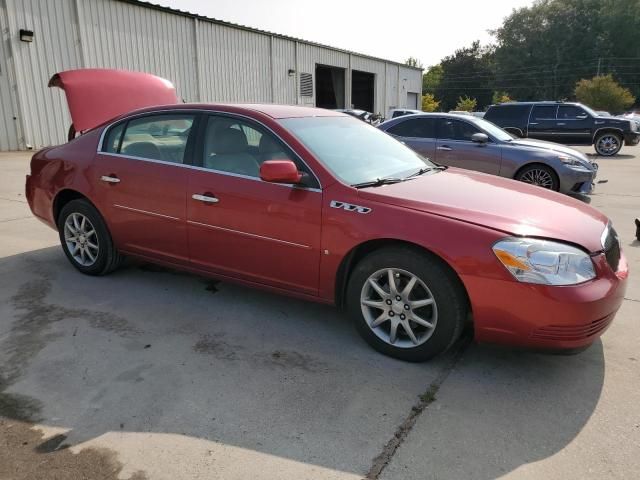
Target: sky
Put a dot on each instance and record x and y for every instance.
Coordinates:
(395, 30)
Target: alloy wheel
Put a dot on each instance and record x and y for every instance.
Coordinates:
(81, 239)
(399, 308)
(608, 145)
(538, 177)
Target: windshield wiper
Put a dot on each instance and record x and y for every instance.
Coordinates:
(377, 182)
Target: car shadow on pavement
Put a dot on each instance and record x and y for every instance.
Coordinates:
(504, 408)
(619, 156)
(152, 350)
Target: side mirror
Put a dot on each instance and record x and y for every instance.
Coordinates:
(280, 171)
(581, 116)
(479, 138)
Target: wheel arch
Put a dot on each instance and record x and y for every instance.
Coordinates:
(599, 131)
(65, 196)
(515, 130)
(360, 251)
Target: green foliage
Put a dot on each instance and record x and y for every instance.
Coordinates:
(501, 97)
(431, 79)
(467, 71)
(413, 62)
(466, 104)
(429, 103)
(604, 93)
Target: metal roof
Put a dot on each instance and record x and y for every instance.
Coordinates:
(184, 13)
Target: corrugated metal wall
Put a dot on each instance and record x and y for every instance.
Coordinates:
(207, 61)
(8, 109)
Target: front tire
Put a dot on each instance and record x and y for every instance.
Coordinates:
(406, 303)
(540, 176)
(608, 144)
(85, 239)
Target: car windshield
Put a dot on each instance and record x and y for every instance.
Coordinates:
(492, 129)
(355, 151)
(589, 111)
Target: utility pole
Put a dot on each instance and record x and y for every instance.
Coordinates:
(599, 62)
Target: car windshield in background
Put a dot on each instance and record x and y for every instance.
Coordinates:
(354, 151)
(493, 130)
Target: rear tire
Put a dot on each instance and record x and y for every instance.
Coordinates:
(608, 144)
(86, 240)
(434, 309)
(540, 176)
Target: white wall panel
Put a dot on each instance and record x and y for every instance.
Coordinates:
(8, 108)
(122, 35)
(234, 64)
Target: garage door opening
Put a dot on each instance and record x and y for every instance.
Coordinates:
(329, 87)
(362, 90)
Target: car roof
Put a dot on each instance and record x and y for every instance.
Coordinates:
(541, 102)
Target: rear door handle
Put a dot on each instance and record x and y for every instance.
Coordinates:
(444, 148)
(205, 198)
(110, 179)
(561, 123)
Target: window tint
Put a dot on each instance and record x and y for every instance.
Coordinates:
(544, 112)
(456, 130)
(415, 127)
(157, 137)
(570, 112)
(112, 139)
(236, 146)
(508, 113)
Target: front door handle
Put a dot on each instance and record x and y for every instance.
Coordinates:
(444, 148)
(110, 179)
(533, 123)
(207, 198)
(561, 123)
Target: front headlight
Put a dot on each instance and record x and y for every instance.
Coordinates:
(572, 162)
(531, 260)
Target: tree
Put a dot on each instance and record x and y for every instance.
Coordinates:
(431, 79)
(466, 104)
(604, 93)
(413, 62)
(467, 71)
(501, 97)
(429, 103)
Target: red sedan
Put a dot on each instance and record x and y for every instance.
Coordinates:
(319, 205)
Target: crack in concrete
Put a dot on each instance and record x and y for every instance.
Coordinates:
(427, 398)
(632, 299)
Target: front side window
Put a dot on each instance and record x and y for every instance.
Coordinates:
(571, 112)
(155, 137)
(236, 146)
(415, 127)
(456, 130)
(544, 112)
(354, 151)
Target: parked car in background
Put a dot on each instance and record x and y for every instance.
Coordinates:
(368, 117)
(461, 112)
(399, 112)
(567, 123)
(602, 113)
(316, 204)
(468, 142)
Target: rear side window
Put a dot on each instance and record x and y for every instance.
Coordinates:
(571, 112)
(415, 127)
(544, 112)
(156, 137)
(112, 140)
(508, 114)
(456, 130)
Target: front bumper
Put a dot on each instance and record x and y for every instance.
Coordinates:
(631, 138)
(547, 317)
(578, 180)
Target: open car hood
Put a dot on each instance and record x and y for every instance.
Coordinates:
(95, 95)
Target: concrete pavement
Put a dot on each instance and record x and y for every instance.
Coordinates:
(151, 373)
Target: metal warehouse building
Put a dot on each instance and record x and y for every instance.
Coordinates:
(208, 60)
